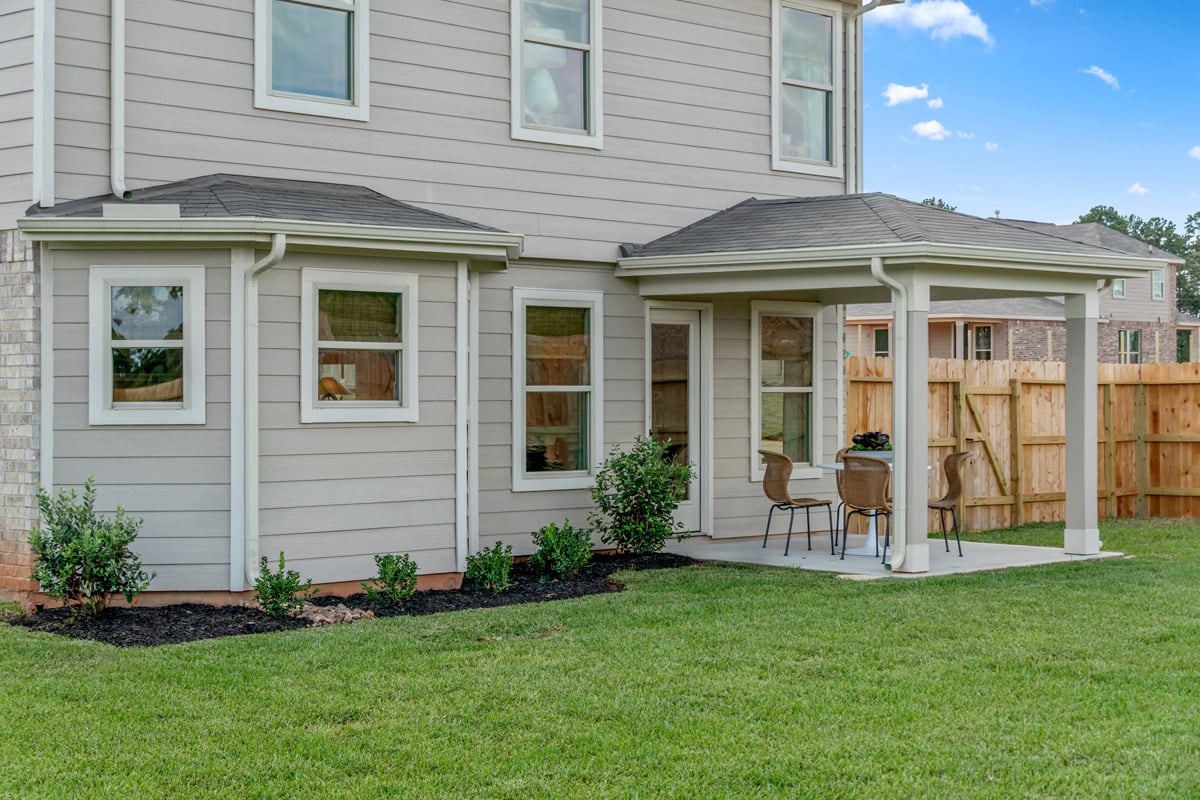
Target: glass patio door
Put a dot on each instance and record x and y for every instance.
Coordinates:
(674, 378)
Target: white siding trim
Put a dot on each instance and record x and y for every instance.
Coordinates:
(816, 406)
(312, 280)
(462, 379)
(241, 260)
(359, 108)
(46, 418)
(837, 137)
(594, 137)
(43, 103)
(473, 417)
(101, 410)
(566, 299)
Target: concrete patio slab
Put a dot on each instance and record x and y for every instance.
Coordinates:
(976, 557)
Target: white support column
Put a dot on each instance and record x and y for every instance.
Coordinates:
(1082, 534)
(910, 414)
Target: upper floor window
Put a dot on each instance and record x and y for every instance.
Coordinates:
(1118, 287)
(1129, 347)
(1158, 284)
(881, 343)
(312, 57)
(556, 71)
(358, 346)
(806, 77)
(146, 346)
(785, 404)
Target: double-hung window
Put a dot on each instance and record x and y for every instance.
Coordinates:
(785, 404)
(806, 82)
(981, 349)
(1118, 287)
(312, 57)
(1129, 347)
(882, 350)
(146, 346)
(1158, 284)
(556, 72)
(359, 346)
(558, 428)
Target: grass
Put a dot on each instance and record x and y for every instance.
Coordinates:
(1066, 681)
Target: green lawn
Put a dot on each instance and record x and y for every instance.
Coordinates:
(1069, 681)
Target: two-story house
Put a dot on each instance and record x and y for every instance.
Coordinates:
(1139, 322)
(349, 277)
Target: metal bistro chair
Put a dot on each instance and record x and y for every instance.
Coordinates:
(775, 486)
(953, 467)
(865, 488)
(838, 477)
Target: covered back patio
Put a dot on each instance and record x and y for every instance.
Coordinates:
(880, 248)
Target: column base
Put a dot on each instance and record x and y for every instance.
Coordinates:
(1085, 542)
(916, 558)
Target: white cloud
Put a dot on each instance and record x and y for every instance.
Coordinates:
(932, 130)
(897, 93)
(991, 147)
(965, 135)
(1195, 152)
(1138, 189)
(936, 102)
(941, 19)
(1036, 3)
(1103, 75)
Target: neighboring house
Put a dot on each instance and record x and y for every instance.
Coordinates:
(1139, 320)
(342, 278)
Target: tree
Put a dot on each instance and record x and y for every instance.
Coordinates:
(937, 202)
(1163, 234)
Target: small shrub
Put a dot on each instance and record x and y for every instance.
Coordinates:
(636, 494)
(490, 568)
(561, 550)
(84, 559)
(282, 592)
(397, 579)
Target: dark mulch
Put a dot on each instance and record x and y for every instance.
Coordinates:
(142, 626)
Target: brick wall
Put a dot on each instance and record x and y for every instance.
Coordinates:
(20, 362)
(1108, 341)
(1037, 340)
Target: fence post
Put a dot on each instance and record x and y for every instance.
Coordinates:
(1110, 451)
(1141, 467)
(1016, 451)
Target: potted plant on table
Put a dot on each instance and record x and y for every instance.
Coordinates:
(875, 444)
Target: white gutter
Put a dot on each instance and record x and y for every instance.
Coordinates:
(43, 102)
(249, 454)
(853, 44)
(899, 408)
(473, 418)
(462, 419)
(116, 83)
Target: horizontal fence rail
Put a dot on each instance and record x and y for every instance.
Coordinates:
(1011, 416)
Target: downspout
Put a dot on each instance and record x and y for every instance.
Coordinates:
(462, 416)
(899, 405)
(250, 404)
(116, 80)
(853, 44)
(43, 102)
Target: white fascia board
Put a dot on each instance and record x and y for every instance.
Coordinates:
(483, 245)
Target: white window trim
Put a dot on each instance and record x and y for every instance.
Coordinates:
(101, 410)
(593, 138)
(837, 137)
(1124, 351)
(566, 299)
(312, 280)
(785, 309)
(359, 107)
(1158, 284)
(1118, 288)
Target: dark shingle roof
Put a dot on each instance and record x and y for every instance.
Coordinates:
(1051, 307)
(272, 198)
(847, 220)
(1097, 234)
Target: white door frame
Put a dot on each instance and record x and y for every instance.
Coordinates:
(705, 392)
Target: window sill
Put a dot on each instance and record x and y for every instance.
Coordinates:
(807, 168)
(594, 141)
(173, 416)
(350, 414)
(553, 483)
(317, 108)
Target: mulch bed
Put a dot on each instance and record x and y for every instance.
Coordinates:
(141, 626)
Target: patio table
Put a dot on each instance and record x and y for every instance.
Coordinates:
(872, 545)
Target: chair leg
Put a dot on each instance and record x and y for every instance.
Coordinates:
(945, 538)
(767, 532)
(808, 522)
(887, 535)
(846, 527)
(832, 531)
(958, 541)
(841, 509)
(791, 520)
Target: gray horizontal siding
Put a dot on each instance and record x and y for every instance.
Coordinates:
(175, 477)
(686, 94)
(16, 98)
(333, 495)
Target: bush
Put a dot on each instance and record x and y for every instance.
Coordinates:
(636, 493)
(397, 579)
(490, 568)
(280, 593)
(561, 550)
(84, 559)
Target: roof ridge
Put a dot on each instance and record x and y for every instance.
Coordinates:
(894, 219)
(702, 220)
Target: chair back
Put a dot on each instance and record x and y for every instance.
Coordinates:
(953, 467)
(865, 482)
(839, 475)
(775, 481)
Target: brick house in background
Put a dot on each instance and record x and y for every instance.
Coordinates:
(1138, 319)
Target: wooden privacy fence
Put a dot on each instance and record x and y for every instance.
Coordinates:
(1011, 415)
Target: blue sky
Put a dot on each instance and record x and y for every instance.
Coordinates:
(1040, 109)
